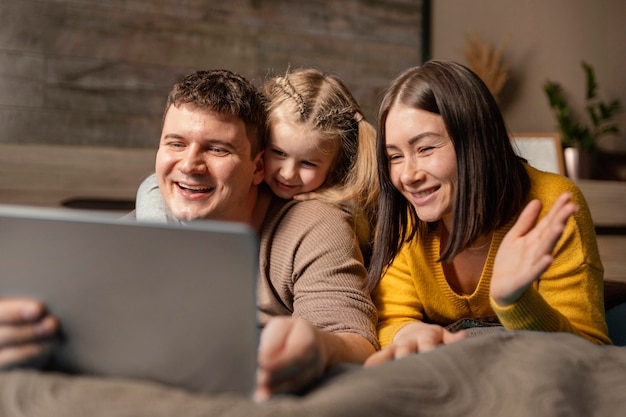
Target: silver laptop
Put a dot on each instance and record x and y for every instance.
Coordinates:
(174, 304)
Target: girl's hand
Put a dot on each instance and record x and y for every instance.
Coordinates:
(526, 250)
(305, 196)
(413, 338)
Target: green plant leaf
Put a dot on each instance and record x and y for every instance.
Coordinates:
(575, 132)
(593, 115)
(590, 77)
(608, 110)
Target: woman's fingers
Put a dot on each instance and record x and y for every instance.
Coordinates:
(381, 356)
(415, 338)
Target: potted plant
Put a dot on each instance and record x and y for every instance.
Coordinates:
(579, 138)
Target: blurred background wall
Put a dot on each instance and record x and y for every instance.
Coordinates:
(543, 40)
(97, 72)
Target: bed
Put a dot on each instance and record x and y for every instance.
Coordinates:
(499, 373)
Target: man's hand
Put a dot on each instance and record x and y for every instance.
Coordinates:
(413, 338)
(291, 355)
(526, 250)
(24, 330)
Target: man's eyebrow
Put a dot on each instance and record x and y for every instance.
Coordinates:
(172, 136)
(221, 142)
(206, 141)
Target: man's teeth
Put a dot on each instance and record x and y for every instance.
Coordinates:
(193, 188)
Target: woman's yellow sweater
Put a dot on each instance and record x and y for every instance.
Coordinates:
(569, 296)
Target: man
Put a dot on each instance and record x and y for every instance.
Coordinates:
(312, 295)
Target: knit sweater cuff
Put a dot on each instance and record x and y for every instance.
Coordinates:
(387, 333)
(530, 312)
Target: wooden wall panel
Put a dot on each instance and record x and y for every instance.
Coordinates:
(96, 73)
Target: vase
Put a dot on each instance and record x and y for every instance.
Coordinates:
(578, 164)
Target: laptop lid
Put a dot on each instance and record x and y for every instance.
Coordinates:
(170, 303)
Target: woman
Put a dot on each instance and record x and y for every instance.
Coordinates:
(451, 188)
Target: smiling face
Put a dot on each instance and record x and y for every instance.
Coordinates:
(422, 161)
(295, 161)
(204, 165)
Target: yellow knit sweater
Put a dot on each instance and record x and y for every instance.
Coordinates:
(567, 298)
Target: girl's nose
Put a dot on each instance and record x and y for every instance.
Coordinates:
(288, 170)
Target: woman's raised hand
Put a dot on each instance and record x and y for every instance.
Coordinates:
(526, 250)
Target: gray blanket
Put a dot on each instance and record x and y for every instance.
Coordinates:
(497, 374)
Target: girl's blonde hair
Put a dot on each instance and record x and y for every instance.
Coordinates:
(321, 103)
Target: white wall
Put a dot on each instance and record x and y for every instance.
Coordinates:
(548, 40)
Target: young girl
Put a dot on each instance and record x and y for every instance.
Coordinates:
(321, 146)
